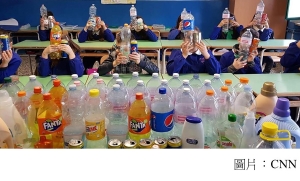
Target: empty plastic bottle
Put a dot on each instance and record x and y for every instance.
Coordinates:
(183, 13)
(50, 83)
(164, 84)
(239, 87)
(152, 85)
(133, 13)
(225, 103)
(74, 78)
(188, 22)
(259, 11)
(132, 82)
(112, 81)
(140, 87)
(217, 83)
(123, 88)
(226, 16)
(92, 18)
(231, 90)
(125, 44)
(196, 83)
(101, 86)
(33, 82)
(245, 43)
(43, 13)
(185, 84)
(11, 88)
(202, 91)
(175, 83)
(15, 80)
(93, 81)
(249, 135)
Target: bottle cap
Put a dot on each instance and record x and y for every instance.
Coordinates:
(7, 80)
(154, 74)
(282, 108)
(244, 80)
(32, 77)
(210, 92)
(164, 81)
(94, 93)
(207, 82)
(139, 96)
(53, 77)
(100, 81)
(186, 90)
(115, 75)
(72, 87)
(175, 75)
(74, 76)
(269, 128)
(14, 78)
(247, 88)
(224, 88)
(77, 82)
(56, 23)
(95, 74)
(135, 74)
(125, 25)
(37, 90)
(194, 120)
(162, 90)
(140, 82)
(116, 86)
(185, 81)
(231, 117)
(217, 76)
(47, 96)
(228, 81)
(56, 82)
(196, 76)
(119, 81)
(21, 93)
(268, 89)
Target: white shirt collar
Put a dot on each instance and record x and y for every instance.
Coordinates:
(197, 52)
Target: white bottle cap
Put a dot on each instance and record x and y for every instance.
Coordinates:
(116, 86)
(175, 75)
(217, 76)
(135, 74)
(155, 75)
(74, 76)
(32, 77)
(207, 82)
(140, 82)
(72, 87)
(164, 81)
(186, 81)
(95, 74)
(100, 81)
(77, 82)
(186, 90)
(119, 81)
(115, 75)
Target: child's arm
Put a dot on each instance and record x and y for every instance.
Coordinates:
(212, 66)
(44, 66)
(76, 65)
(9, 65)
(173, 34)
(176, 62)
(146, 64)
(108, 36)
(239, 29)
(254, 66)
(217, 30)
(266, 34)
(83, 35)
(151, 36)
(44, 34)
(291, 55)
(106, 66)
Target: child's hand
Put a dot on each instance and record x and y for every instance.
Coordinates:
(102, 24)
(185, 48)
(88, 24)
(235, 24)
(51, 48)
(252, 23)
(119, 59)
(6, 58)
(265, 23)
(298, 44)
(224, 21)
(203, 49)
(252, 56)
(134, 56)
(66, 48)
(145, 27)
(180, 26)
(238, 64)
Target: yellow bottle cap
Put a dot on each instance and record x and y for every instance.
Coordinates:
(125, 24)
(94, 92)
(269, 128)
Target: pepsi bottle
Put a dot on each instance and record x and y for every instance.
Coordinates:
(188, 22)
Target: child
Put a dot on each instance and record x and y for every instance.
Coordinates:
(63, 66)
(9, 61)
(175, 33)
(43, 33)
(141, 31)
(231, 63)
(192, 59)
(115, 61)
(291, 58)
(233, 30)
(265, 33)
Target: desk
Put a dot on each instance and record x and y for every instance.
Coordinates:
(31, 45)
(94, 45)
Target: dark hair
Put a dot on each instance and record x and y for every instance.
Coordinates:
(142, 34)
(101, 34)
(118, 37)
(5, 32)
(49, 13)
(178, 21)
(254, 33)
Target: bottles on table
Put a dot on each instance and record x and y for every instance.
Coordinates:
(239, 87)
(132, 82)
(11, 88)
(196, 83)
(217, 83)
(175, 83)
(33, 82)
(50, 83)
(249, 134)
(93, 81)
(231, 90)
(57, 91)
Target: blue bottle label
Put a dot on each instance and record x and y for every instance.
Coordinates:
(188, 25)
(162, 122)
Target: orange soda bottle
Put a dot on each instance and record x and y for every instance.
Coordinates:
(57, 91)
(50, 121)
(44, 143)
(139, 119)
(55, 39)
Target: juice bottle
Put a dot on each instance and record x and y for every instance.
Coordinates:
(44, 143)
(35, 102)
(57, 91)
(50, 121)
(55, 39)
(139, 119)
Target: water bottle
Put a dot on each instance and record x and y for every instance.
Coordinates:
(225, 103)
(11, 88)
(117, 114)
(140, 87)
(133, 13)
(183, 13)
(259, 11)
(239, 87)
(217, 83)
(164, 84)
(188, 22)
(175, 83)
(93, 81)
(112, 81)
(231, 90)
(125, 44)
(202, 91)
(225, 15)
(196, 83)
(33, 82)
(152, 85)
(249, 135)
(132, 82)
(245, 43)
(162, 109)
(49, 85)
(43, 12)
(74, 78)
(101, 86)
(22, 103)
(92, 19)
(81, 87)
(123, 88)
(185, 84)
(16, 81)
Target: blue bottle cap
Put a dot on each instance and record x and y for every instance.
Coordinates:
(162, 90)
(247, 88)
(196, 76)
(194, 120)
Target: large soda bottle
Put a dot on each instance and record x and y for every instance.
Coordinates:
(50, 122)
(33, 82)
(125, 44)
(132, 82)
(152, 85)
(162, 109)
(43, 12)
(139, 119)
(259, 11)
(246, 41)
(57, 91)
(11, 88)
(188, 22)
(55, 39)
(133, 13)
(226, 16)
(92, 18)
(183, 14)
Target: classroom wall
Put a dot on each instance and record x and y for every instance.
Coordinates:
(276, 10)
(207, 13)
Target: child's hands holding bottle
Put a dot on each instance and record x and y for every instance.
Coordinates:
(66, 48)
(6, 58)
(223, 22)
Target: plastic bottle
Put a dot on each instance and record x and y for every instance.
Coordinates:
(266, 100)
(217, 83)
(188, 22)
(183, 14)
(112, 81)
(55, 39)
(11, 88)
(245, 43)
(268, 137)
(239, 87)
(225, 15)
(5, 136)
(140, 87)
(16, 81)
(192, 133)
(133, 13)
(175, 83)
(164, 84)
(225, 103)
(230, 133)
(196, 83)
(101, 86)
(57, 91)
(44, 143)
(162, 110)
(33, 82)
(152, 85)
(249, 135)
(21, 104)
(93, 81)
(243, 103)
(185, 106)
(132, 82)
(95, 122)
(185, 84)
(43, 13)
(92, 18)
(50, 83)
(259, 11)
(125, 44)
(123, 88)
(117, 114)
(74, 78)
(50, 121)
(202, 91)
(281, 117)
(231, 90)
(139, 119)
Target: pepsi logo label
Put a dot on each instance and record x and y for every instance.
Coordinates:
(162, 122)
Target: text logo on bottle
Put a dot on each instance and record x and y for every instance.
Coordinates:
(56, 36)
(138, 125)
(52, 125)
(162, 122)
(188, 25)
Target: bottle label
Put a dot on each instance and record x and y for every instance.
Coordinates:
(119, 107)
(132, 13)
(205, 110)
(162, 122)
(55, 36)
(50, 125)
(226, 16)
(188, 25)
(180, 119)
(246, 40)
(224, 142)
(95, 130)
(191, 141)
(138, 125)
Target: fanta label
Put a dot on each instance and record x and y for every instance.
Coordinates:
(224, 142)
(55, 36)
(188, 25)
(50, 125)
(95, 130)
(162, 122)
(138, 125)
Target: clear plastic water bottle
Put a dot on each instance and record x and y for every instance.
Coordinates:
(140, 87)
(152, 85)
(43, 13)
(133, 13)
(175, 83)
(125, 44)
(202, 91)
(22, 103)
(162, 109)
(225, 103)
(245, 43)
(33, 82)
(81, 87)
(164, 84)
(74, 78)
(93, 81)
(101, 86)
(217, 83)
(259, 11)
(112, 81)
(16, 81)
(132, 82)
(92, 19)
(183, 13)
(123, 88)
(196, 83)
(49, 85)
(185, 84)
(225, 15)
(188, 22)
(231, 90)
(117, 114)
(185, 106)
(239, 87)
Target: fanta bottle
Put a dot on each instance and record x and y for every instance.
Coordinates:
(55, 39)
(139, 119)
(50, 121)
(57, 91)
